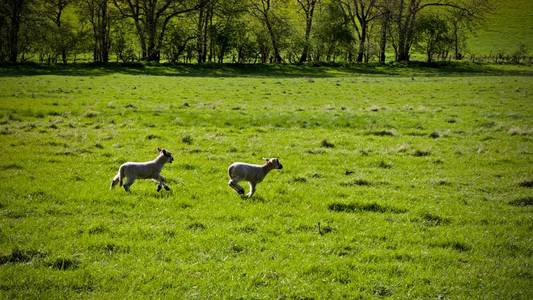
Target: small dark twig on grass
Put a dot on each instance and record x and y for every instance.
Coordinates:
(525, 201)
(326, 144)
(187, 140)
(526, 184)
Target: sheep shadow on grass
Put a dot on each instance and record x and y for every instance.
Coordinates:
(254, 199)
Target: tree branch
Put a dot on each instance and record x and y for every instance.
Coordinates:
(444, 4)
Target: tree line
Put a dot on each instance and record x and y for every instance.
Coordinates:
(236, 31)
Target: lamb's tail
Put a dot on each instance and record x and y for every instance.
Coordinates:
(117, 178)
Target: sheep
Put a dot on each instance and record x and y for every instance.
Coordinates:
(144, 170)
(254, 174)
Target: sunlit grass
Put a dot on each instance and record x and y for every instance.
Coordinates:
(399, 184)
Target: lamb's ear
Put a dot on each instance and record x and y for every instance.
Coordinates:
(266, 159)
(164, 151)
(158, 149)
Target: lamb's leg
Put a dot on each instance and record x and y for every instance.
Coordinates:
(234, 185)
(252, 190)
(128, 183)
(161, 183)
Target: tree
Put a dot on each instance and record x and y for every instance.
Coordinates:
(180, 34)
(434, 33)
(457, 23)
(12, 13)
(205, 20)
(54, 10)
(462, 21)
(385, 17)
(332, 35)
(151, 18)
(407, 11)
(123, 41)
(308, 7)
(245, 45)
(230, 32)
(264, 44)
(263, 11)
(97, 13)
(360, 13)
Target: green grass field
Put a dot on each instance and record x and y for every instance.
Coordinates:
(420, 179)
(509, 24)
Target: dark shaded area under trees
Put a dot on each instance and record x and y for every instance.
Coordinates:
(235, 31)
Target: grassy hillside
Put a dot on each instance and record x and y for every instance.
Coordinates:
(396, 186)
(510, 24)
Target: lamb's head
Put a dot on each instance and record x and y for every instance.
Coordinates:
(274, 162)
(164, 153)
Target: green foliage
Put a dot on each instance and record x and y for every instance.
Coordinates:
(242, 31)
(332, 35)
(435, 35)
(124, 46)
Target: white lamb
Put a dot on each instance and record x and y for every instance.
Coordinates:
(144, 170)
(254, 174)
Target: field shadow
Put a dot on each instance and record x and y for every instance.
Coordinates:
(524, 201)
(268, 70)
(18, 255)
(64, 263)
(454, 245)
(182, 70)
(364, 207)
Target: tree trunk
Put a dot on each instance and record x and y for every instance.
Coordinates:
(205, 37)
(57, 20)
(277, 57)
(383, 37)
(403, 46)
(305, 51)
(202, 34)
(104, 33)
(309, 10)
(362, 43)
(199, 34)
(457, 55)
(152, 51)
(142, 36)
(209, 35)
(100, 22)
(13, 37)
(402, 53)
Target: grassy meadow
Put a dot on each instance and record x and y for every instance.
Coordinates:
(509, 24)
(400, 182)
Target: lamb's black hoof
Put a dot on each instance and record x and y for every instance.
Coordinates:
(158, 188)
(167, 188)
